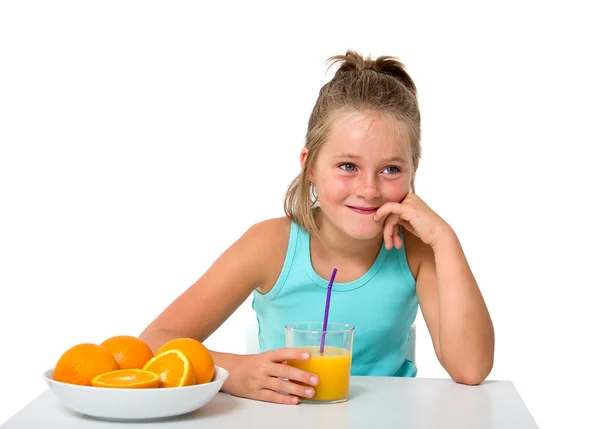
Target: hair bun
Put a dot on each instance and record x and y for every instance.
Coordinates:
(353, 62)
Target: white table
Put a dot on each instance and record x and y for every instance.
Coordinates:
(375, 403)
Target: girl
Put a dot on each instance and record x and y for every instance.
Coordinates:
(352, 207)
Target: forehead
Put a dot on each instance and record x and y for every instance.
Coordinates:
(365, 133)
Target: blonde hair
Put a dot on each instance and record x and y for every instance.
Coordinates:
(360, 84)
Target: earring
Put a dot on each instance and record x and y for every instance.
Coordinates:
(314, 195)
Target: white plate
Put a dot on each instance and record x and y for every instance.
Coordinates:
(135, 404)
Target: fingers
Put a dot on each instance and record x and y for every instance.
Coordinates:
(293, 389)
(285, 383)
(278, 398)
(406, 225)
(396, 237)
(287, 353)
(389, 227)
(393, 215)
(271, 380)
(389, 208)
(293, 374)
(382, 212)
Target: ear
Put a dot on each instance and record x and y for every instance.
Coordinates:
(416, 166)
(303, 156)
(414, 173)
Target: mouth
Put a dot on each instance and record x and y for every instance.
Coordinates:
(363, 210)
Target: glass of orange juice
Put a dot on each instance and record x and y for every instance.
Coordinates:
(332, 364)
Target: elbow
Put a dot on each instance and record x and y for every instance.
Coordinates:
(472, 375)
(471, 366)
(469, 371)
(470, 379)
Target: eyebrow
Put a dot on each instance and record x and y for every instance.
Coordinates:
(353, 156)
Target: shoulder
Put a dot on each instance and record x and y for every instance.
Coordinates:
(269, 232)
(268, 242)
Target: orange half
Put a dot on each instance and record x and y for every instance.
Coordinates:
(127, 378)
(173, 367)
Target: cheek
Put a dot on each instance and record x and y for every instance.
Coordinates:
(395, 192)
(335, 187)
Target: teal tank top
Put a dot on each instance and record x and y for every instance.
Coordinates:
(381, 305)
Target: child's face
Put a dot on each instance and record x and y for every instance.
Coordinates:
(362, 165)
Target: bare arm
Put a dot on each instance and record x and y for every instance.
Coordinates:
(454, 310)
(205, 305)
(451, 302)
(254, 261)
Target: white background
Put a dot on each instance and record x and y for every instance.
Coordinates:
(139, 140)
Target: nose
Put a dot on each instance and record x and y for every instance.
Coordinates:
(367, 187)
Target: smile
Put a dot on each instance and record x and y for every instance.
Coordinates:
(363, 210)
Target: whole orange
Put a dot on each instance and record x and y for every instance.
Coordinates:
(129, 352)
(197, 353)
(81, 363)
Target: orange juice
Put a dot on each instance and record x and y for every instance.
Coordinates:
(333, 370)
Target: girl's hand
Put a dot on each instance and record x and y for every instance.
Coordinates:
(414, 215)
(261, 376)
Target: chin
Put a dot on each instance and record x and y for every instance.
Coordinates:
(363, 235)
(358, 227)
(363, 231)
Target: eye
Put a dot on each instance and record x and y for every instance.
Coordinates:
(348, 167)
(391, 170)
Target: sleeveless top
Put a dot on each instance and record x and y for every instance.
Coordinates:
(381, 305)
